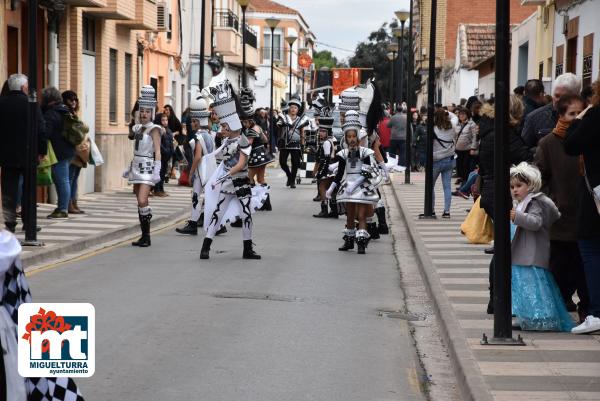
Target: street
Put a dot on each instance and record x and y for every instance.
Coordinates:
(305, 323)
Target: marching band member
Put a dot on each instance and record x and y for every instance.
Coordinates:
(325, 155)
(144, 169)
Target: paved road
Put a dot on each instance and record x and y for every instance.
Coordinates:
(172, 327)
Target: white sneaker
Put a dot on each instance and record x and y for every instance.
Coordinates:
(591, 323)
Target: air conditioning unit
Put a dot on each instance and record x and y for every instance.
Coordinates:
(162, 16)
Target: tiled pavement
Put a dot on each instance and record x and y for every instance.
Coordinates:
(108, 216)
(552, 367)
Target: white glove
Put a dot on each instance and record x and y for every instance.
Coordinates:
(384, 168)
(329, 192)
(125, 173)
(156, 172)
(136, 128)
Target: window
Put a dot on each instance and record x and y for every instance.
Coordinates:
(267, 47)
(89, 35)
(112, 86)
(127, 82)
(170, 31)
(588, 54)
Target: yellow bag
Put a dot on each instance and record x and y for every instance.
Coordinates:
(478, 227)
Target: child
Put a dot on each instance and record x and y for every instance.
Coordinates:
(166, 152)
(536, 299)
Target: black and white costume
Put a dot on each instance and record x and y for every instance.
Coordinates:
(290, 141)
(144, 168)
(326, 166)
(228, 196)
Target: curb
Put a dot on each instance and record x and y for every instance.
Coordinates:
(469, 378)
(82, 246)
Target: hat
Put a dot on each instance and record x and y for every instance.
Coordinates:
(284, 106)
(319, 102)
(295, 101)
(247, 102)
(224, 105)
(199, 110)
(325, 119)
(147, 99)
(349, 100)
(351, 121)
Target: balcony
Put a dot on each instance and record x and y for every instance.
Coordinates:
(145, 16)
(278, 55)
(252, 59)
(114, 9)
(86, 3)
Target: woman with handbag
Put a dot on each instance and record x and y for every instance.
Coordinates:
(82, 153)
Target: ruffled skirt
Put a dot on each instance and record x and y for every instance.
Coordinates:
(259, 157)
(537, 302)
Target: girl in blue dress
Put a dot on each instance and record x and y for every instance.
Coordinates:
(536, 299)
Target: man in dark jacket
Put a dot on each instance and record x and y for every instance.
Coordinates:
(13, 154)
(54, 114)
(534, 96)
(542, 121)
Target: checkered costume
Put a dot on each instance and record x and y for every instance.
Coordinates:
(15, 291)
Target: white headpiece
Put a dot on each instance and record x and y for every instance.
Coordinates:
(366, 94)
(199, 110)
(351, 122)
(147, 99)
(224, 105)
(350, 100)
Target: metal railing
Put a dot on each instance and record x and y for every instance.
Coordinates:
(279, 55)
(226, 18)
(251, 36)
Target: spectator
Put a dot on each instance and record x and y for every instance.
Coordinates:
(415, 120)
(397, 124)
(13, 154)
(54, 114)
(452, 108)
(466, 141)
(474, 106)
(443, 156)
(543, 120)
(519, 91)
(82, 153)
(176, 128)
(534, 96)
(536, 300)
(558, 170)
(420, 135)
(587, 94)
(384, 132)
(583, 139)
(166, 153)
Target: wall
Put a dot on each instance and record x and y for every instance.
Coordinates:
(545, 39)
(520, 35)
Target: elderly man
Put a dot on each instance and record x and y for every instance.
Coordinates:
(542, 121)
(13, 154)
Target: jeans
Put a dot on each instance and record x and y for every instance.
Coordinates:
(60, 176)
(73, 177)
(397, 148)
(444, 167)
(590, 255)
(11, 183)
(466, 187)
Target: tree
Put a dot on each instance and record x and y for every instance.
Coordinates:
(324, 59)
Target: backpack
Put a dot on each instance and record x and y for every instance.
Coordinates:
(74, 130)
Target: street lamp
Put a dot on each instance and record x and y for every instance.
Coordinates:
(244, 4)
(392, 50)
(291, 39)
(302, 51)
(202, 41)
(399, 33)
(272, 24)
(410, 69)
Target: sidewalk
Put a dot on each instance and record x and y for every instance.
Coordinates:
(109, 217)
(552, 367)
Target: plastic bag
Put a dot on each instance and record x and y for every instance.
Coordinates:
(95, 156)
(478, 227)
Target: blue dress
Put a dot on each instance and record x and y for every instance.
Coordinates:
(536, 300)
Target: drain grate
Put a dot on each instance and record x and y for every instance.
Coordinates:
(257, 296)
(409, 317)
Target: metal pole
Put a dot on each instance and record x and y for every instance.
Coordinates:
(271, 119)
(212, 28)
(410, 69)
(202, 40)
(244, 79)
(29, 177)
(428, 213)
(291, 44)
(502, 203)
(392, 83)
(401, 56)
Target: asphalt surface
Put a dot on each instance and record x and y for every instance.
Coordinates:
(304, 323)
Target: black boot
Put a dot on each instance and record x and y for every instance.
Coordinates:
(362, 241)
(383, 227)
(144, 240)
(334, 210)
(248, 251)
(190, 228)
(372, 230)
(238, 223)
(267, 205)
(348, 243)
(323, 212)
(200, 221)
(221, 230)
(205, 251)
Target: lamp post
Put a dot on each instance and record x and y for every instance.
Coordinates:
(202, 42)
(302, 51)
(399, 33)
(291, 39)
(402, 16)
(29, 183)
(502, 203)
(392, 50)
(272, 24)
(212, 28)
(244, 4)
(428, 212)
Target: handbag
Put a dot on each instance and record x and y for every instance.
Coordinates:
(50, 158)
(74, 130)
(184, 178)
(44, 176)
(478, 227)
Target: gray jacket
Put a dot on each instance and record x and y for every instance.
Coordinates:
(531, 243)
(443, 143)
(397, 124)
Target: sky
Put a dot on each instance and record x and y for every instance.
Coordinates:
(345, 23)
